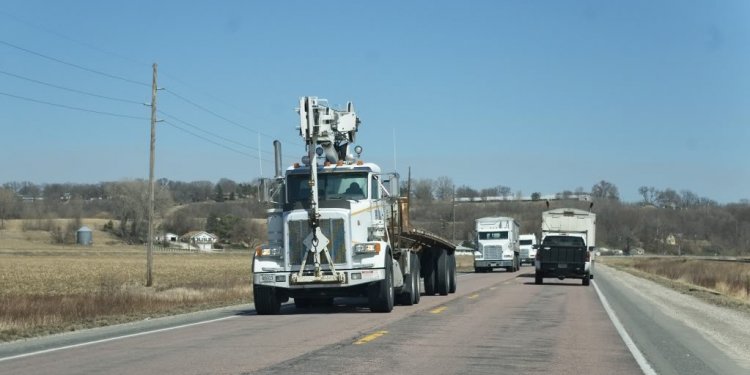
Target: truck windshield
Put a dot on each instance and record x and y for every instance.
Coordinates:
(563, 241)
(493, 235)
(331, 186)
(524, 242)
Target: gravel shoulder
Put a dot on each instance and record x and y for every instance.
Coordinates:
(726, 328)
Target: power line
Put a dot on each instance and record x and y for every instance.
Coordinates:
(72, 107)
(63, 36)
(211, 134)
(70, 89)
(212, 141)
(74, 65)
(194, 104)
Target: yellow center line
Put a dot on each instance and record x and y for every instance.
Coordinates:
(473, 296)
(493, 288)
(438, 310)
(370, 337)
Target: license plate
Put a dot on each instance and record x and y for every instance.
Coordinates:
(562, 265)
(266, 278)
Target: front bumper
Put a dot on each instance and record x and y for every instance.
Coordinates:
(492, 263)
(352, 278)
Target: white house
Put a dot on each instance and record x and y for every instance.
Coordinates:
(168, 238)
(202, 240)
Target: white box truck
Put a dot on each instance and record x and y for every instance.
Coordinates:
(497, 244)
(567, 246)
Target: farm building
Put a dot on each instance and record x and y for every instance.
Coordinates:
(202, 240)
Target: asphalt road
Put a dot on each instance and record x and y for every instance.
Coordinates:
(669, 344)
(496, 323)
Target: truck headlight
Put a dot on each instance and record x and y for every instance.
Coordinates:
(365, 248)
(268, 251)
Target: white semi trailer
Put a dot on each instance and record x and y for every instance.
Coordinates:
(338, 227)
(497, 244)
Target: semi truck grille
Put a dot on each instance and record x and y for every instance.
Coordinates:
(333, 229)
(492, 252)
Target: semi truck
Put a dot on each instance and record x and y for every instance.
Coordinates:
(497, 244)
(527, 243)
(338, 227)
(567, 246)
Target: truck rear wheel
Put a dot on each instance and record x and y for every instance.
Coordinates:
(428, 263)
(441, 273)
(415, 268)
(452, 273)
(266, 301)
(586, 280)
(538, 279)
(411, 284)
(381, 294)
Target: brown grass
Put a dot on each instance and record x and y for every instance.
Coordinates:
(54, 290)
(465, 263)
(705, 278)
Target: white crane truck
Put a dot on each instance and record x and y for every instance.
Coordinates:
(338, 227)
(567, 247)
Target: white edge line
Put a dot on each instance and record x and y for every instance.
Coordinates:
(639, 357)
(113, 339)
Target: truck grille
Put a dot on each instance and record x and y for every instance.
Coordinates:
(333, 229)
(492, 252)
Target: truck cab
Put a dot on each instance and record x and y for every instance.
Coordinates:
(497, 244)
(526, 244)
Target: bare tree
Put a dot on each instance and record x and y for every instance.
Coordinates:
(423, 189)
(8, 205)
(466, 192)
(444, 188)
(649, 194)
(504, 191)
(606, 190)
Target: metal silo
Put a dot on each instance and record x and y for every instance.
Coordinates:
(84, 236)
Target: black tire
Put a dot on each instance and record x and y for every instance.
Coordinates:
(266, 301)
(415, 268)
(428, 271)
(538, 279)
(441, 273)
(478, 270)
(452, 273)
(381, 294)
(586, 280)
(406, 296)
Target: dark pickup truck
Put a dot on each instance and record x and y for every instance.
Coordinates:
(562, 257)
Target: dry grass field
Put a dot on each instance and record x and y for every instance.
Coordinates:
(724, 283)
(47, 288)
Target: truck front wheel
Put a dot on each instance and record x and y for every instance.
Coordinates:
(381, 294)
(266, 301)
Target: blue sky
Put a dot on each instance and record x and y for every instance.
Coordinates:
(541, 96)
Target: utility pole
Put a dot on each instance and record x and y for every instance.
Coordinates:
(150, 247)
(454, 213)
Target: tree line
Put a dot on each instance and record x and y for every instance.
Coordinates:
(698, 225)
